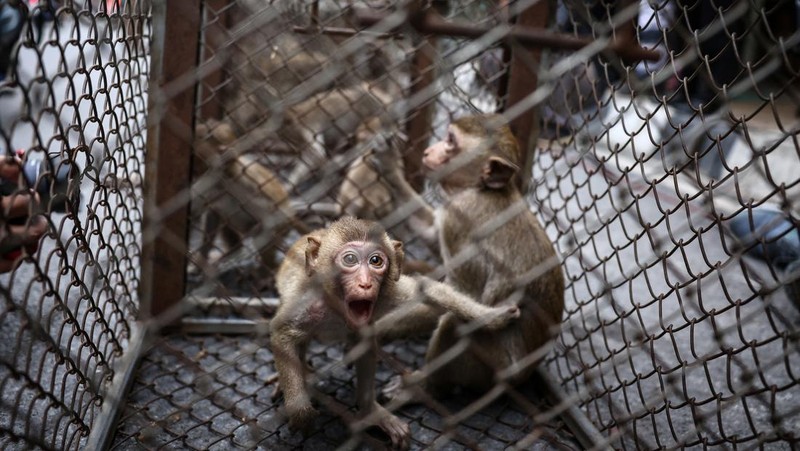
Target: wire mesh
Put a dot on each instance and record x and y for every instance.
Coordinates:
(73, 84)
(681, 333)
(208, 392)
(667, 186)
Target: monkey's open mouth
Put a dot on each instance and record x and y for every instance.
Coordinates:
(360, 311)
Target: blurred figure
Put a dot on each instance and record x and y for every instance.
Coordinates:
(20, 231)
(12, 18)
(714, 24)
(653, 20)
(772, 235)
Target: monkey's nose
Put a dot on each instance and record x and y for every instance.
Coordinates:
(365, 285)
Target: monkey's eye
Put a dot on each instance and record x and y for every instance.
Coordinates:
(376, 261)
(451, 138)
(350, 259)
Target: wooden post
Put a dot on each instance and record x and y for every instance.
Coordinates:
(420, 120)
(216, 23)
(171, 107)
(522, 81)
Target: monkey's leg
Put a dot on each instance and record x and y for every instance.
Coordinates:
(231, 237)
(211, 229)
(292, 379)
(451, 361)
(425, 383)
(370, 412)
(277, 392)
(313, 157)
(267, 254)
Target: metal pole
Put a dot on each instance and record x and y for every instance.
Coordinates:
(432, 23)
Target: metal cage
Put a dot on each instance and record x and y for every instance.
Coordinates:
(660, 152)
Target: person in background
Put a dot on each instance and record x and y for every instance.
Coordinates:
(20, 231)
(11, 22)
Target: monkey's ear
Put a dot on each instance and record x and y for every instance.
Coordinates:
(498, 172)
(399, 256)
(312, 252)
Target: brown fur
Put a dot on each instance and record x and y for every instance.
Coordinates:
(375, 187)
(312, 118)
(510, 259)
(235, 207)
(312, 305)
(319, 124)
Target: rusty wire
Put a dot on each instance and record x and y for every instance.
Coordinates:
(74, 107)
(679, 330)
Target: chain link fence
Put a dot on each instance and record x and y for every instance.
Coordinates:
(182, 147)
(73, 110)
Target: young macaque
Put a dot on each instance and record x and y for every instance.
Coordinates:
(267, 69)
(334, 284)
(375, 187)
(494, 250)
(249, 201)
(327, 118)
(279, 96)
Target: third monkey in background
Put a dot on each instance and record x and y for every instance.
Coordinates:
(375, 187)
(495, 250)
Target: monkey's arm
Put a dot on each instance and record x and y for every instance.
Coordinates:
(420, 301)
(464, 307)
(421, 216)
(286, 344)
(408, 319)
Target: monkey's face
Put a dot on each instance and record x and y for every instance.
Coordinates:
(472, 159)
(456, 160)
(362, 266)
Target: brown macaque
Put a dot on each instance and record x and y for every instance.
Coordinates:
(277, 98)
(494, 250)
(315, 126)
(270, 64)
(336, 284)
(375, 187)
(247, 201)
(267, 70)
(298, 94)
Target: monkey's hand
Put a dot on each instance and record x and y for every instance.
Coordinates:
(398, 431)
(501, 316)
(301, 415)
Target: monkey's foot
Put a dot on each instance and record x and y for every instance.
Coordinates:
(501, 316)
(396, 429)
(301, 417)
(399, 392)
